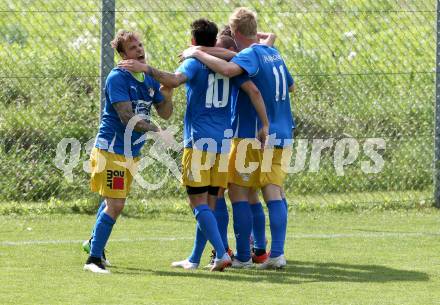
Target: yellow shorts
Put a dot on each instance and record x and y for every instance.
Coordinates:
(202, 168)
(273, 165)
(111, 176)
(244, 162)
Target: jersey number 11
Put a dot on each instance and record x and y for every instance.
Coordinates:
(277, 83)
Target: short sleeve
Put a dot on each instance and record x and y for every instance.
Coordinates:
(247, 60)
(117, 88)
(189, 67)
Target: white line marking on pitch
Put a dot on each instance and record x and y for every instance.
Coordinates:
(292, 236)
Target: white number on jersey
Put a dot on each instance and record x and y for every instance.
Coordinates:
(277, 83)
(212, 92)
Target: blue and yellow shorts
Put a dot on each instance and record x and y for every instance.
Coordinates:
(202, 168)
(273, 165)
(244, 162)
(112, 174)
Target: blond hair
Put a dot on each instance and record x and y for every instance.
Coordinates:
(121, 37)
(244, 21)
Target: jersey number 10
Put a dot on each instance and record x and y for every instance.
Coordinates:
(277, 83)
(212, 92)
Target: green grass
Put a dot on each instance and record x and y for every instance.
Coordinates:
(332, 259)
(350, 202)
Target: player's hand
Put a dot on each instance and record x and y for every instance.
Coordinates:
(166, 137)
(163, 138)
(261, 35)
(263, 136)
(266, 38)
(152, 128)
(190, 52)
(133, 65)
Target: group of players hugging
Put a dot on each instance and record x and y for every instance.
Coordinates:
(237, 136)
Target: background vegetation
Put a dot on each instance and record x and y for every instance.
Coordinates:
(363, 69)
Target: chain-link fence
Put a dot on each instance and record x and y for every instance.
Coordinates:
(365, 84)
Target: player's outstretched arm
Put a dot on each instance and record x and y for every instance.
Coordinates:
(266, 38)
(258, 103)
(219, 52)
(172, 80)
(165, 108)
(228, 69)
(125, 113)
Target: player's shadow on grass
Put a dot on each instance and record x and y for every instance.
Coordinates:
(337, 272)
(297, 272)
(229, 275)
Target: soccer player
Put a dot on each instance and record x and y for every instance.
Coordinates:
(128, 99)
(207, 117)
(244, 122)
(268, 71)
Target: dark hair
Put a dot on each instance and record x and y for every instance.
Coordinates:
(226, 31)
(227, 42)
(204, 32)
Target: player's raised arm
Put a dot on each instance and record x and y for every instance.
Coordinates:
(266, 38)
(228, 69)
(165, 108)
(125, 113)
(258, 103)
(172, 80)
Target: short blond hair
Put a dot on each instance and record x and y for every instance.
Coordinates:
(121, 37)
(244, 21)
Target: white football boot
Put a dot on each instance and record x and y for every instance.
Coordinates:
(278, 262)
(185, 264)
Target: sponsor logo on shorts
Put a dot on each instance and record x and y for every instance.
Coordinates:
(115, 179)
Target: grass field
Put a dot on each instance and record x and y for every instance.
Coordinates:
(333, 258)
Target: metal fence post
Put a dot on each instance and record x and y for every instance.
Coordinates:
(107, 54)
(437, 116)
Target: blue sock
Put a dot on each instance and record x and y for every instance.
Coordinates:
(278, 226)
(101, 208)
(242, 229)
(208, 225)
(222, 216)
(199, 245)
(101, 233)
(258, 226)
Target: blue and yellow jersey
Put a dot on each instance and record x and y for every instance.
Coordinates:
(267, 70)
(209, 97)
(122, 86)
